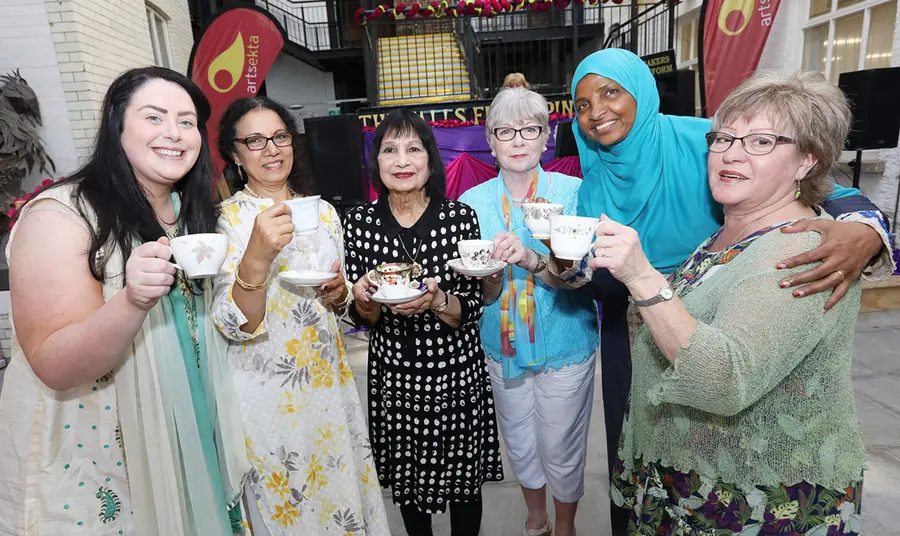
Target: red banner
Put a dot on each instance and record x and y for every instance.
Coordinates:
(231, 60)
(733, 35)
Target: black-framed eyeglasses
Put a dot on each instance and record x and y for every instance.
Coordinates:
(258, 143)
(527, 133)
(755, 144)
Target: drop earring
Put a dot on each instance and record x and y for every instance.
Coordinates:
(797, 194)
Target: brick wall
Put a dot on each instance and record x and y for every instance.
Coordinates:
(96, 40)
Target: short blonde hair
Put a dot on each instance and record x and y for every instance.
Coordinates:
(517, 105)
(814, 111)
(515, 79)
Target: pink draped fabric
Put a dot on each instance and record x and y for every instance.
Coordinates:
(467, 171)
(567, 165)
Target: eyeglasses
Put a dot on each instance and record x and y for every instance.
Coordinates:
(755, 144)
(527, 133)
(258, 143)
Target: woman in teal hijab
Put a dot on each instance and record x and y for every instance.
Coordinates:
(648, 170)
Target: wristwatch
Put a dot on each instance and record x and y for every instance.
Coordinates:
(664, 294)
(443, 307)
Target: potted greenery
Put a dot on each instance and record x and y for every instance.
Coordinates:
(21, 148)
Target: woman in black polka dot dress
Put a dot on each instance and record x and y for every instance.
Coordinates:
(431, 411)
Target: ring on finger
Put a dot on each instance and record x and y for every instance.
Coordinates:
(841, 273)
(512, 251)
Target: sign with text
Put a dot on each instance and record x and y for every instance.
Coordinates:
(661, 62)
(231, 60)
(475, 111)
(733, 34)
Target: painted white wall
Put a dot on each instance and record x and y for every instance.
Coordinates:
(291, 81)
(26, 43)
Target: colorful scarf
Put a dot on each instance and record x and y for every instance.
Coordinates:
(519, 320)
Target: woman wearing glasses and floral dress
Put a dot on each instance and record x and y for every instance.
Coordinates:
(540, 340)
(306, 435)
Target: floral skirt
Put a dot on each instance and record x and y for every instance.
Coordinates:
(664, 501)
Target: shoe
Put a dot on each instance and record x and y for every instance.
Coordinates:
(546, 531)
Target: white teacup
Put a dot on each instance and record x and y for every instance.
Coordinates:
(537, 217)
(571, 236)
(475, 253)
(305, 214)
(199, 255)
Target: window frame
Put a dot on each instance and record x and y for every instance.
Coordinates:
(155, 17)
(831, 18)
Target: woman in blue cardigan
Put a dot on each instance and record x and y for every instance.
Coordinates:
(648, 171)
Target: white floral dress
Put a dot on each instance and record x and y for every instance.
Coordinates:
(313, 471)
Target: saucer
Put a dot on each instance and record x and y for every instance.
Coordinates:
(540, 236)
(493, 267)
(306, 278)
(411, 294)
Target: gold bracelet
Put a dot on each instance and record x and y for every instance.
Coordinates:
(248, 286)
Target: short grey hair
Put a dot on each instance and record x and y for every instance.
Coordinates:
(517, 105)
(813, 111)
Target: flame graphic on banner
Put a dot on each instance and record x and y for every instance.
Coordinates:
(230, 62)
(744, 7)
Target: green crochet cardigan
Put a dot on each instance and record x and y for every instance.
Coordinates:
(762, 393)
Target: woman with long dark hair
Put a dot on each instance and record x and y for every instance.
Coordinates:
(313, 471)
(115, 416)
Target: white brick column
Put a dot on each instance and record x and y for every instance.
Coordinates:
(96, 40)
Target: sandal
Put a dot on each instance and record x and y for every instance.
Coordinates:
(546, 531)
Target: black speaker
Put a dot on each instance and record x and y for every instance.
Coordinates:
(874, 97)
(565, 140)
(336, 158)
(676, 92)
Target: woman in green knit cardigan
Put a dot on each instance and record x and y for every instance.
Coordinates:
(742, 418)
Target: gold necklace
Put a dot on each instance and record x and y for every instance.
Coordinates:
(250, 191)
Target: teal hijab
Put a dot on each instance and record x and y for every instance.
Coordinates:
(655, 179)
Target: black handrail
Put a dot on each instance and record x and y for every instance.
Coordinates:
(637, 22)
(318, 27)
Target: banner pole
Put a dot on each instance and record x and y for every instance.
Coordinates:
(700, 67)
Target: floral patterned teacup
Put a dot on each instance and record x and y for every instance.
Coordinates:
(571, 236)
(475, 254)
(537, 217)
(200, 255)
(392, 278)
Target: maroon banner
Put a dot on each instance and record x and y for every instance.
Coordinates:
(231, 60)
(733, 34)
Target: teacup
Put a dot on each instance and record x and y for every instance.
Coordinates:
(571, 236)
(199, 255)
(305, 214)
(537, 217)
(392, 279)
(475, 253)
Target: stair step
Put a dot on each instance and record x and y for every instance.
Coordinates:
(406, 63)
(880, 295)
(460, 85)
(430, 92)
(426, 100)
(427, 75)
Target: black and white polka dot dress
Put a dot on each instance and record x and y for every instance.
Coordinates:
(431, 410)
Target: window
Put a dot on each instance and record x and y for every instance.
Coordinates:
(159, 37)
(848, 35)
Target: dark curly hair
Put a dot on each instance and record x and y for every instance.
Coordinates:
(298, 179)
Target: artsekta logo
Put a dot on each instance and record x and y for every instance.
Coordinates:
(231, 60)
(734, 33)
(737, 13)
(228, 67)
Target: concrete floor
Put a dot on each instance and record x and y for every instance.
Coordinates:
(876, 378)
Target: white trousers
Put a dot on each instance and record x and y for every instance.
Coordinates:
(544, 418)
